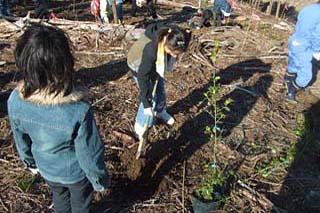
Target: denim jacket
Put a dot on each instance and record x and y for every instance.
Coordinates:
(58, 135)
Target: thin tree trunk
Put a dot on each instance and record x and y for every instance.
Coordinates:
(278, 9)
(269, 10)
(115, 13)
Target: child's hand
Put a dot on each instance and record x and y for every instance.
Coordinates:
(316, 55)
(199, 12)
(140, 3)
(34, 171)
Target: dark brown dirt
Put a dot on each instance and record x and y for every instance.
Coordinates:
(259, 126)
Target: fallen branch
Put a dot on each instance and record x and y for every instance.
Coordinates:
(255, 56)
(260, 198)
(63, 23)
(3, 205)
(174, 4)
(245, 90)
(127, 139)
(183, 183)
(100, 53)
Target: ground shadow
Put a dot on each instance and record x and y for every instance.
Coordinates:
(5, 79)
(166, 154)
(101, 74)
(176, 17)
(3, 103)
(300, 191)
(88, 77)
(2, 46)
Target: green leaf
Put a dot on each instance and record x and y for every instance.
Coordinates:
(25, 182)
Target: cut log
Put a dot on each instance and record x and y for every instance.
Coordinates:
(174, 4)
(65, 23)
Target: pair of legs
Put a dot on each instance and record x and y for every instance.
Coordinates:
(208, 16)
(159, 108)
(292, 81)
(106, 10)
(75, 198)
(41, 10)
(119, 10)
(151, 8)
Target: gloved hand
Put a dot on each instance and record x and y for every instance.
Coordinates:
(148, 111)
(34, 171)
(316, 55)
(315, 63)
(141, 2)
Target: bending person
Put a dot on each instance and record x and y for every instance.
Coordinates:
(149, 58)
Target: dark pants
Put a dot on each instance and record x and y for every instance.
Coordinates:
(41, 10)
(133, 7)
(151, 8)
(208, 16)
(75, 198)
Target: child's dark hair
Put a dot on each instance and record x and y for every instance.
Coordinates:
(44, 56)
(177, 38)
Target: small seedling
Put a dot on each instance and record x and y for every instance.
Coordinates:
(211, 187)
(24, 182)
(283, 162)
(214, 178)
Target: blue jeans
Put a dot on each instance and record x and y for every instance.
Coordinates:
(159, 102)
(75, 198)
(119, 8)
(5, 8)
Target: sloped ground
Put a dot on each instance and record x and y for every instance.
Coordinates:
(261, 128)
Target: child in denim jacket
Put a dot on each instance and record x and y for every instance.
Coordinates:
(53, 127)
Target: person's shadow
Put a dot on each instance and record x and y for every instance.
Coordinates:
(88, 77)
(164, 155)
(111, 71)
(300, 191)
(5, 79)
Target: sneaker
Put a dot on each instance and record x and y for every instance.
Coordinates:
(292, 88)
(166, 117)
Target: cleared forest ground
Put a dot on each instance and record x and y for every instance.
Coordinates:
(271, 145)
